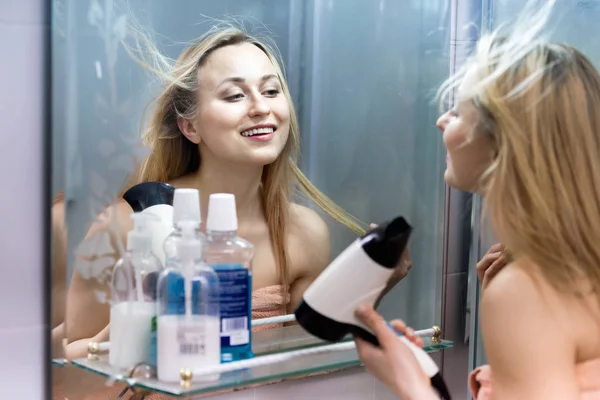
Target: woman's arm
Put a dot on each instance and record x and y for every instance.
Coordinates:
(527, 338)
(59, 265)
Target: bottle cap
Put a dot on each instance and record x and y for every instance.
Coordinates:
(140, 237)
(222, 215)
(186, 206)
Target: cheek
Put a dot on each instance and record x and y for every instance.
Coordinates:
(216, 117)
(281, 110)
(454, 138)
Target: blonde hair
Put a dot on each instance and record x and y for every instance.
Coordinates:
(173, 155)
(540, 102)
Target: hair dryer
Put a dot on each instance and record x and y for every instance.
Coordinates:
(358, 276)
(156, 199)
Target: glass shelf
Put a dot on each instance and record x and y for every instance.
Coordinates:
(264, 342)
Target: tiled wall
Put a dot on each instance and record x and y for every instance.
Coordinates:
(24, 27)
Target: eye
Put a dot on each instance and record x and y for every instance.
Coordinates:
(272, 92)
(235, 97)
(453, 112)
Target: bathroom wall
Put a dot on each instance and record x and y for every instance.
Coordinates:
(24, 29)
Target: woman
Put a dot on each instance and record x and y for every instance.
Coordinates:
(525, 134)
(223, 122)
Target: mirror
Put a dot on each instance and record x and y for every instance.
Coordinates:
(361, 79)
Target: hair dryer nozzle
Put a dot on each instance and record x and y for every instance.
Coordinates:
(148, 194)
(386, 243)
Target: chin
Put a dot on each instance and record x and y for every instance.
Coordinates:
(458, 184)
(263, 158)
(451, 180)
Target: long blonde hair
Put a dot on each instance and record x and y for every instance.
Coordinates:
(540, 102)
(173, 155)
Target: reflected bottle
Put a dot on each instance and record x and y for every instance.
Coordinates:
(188, 325)
(186, 207)
(231, 257)
(133, 300)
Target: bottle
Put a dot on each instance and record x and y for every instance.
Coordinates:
(133, 302)
(188, 330)
(186, 207)
(230, 256)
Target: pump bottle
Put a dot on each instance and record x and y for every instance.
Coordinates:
(133, 297)
(188, 331)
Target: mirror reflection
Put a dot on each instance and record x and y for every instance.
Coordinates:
(197, 153)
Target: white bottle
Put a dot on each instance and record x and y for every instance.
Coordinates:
(188, 333)
(186, 207)
(133, 302)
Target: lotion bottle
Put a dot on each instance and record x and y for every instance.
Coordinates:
(186, 207)
(188, 331)
(133, 302)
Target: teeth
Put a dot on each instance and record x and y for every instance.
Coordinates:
(252, 132)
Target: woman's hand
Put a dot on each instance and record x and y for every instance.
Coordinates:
(492, 262)
(392, 362)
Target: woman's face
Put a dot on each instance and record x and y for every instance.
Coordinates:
(243, 116)
(469, 152)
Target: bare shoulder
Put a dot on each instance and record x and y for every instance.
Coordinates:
(307, 225)
(117, 216)
(308, 239)
(527, 335)
(521, 286)
(517, 294)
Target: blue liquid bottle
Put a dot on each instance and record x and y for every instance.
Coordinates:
(230, 256)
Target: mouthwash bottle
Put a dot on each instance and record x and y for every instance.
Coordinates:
(230, 256)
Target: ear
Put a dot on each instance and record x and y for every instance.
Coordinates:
(188, 129)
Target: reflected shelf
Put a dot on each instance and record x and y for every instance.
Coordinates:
(274, 345)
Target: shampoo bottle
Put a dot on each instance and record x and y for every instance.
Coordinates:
(230, 256)
(133, 297)
(188, 330)
(186, 207)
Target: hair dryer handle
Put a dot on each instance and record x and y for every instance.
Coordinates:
(424, 360)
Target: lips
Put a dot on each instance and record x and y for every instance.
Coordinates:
(258, 131)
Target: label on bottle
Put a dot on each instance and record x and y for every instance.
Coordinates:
(235, 304)
(153, 342)
(191, 340)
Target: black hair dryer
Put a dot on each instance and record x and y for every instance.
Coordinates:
(358, 276)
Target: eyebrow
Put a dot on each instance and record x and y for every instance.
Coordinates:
(239, 79)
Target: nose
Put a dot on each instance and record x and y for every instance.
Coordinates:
(259, 106)
(443, 121)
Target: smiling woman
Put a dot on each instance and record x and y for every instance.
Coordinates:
(224, 123)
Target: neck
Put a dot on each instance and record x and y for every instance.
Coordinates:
(241, 181)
